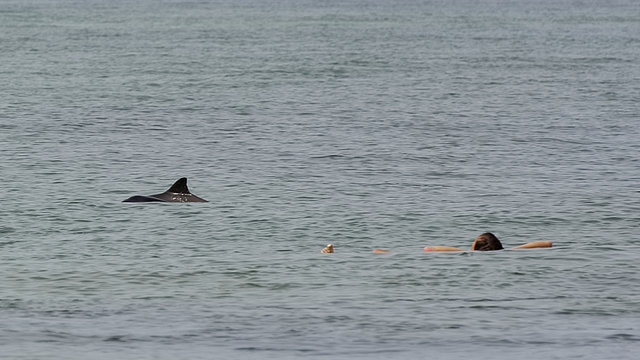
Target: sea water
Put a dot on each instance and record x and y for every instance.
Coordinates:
(365, 124)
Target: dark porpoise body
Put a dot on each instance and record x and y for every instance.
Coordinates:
(178, 192)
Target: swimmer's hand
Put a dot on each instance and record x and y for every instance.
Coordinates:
(327, 249)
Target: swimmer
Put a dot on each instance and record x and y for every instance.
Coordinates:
(489, 242)
(484, 242)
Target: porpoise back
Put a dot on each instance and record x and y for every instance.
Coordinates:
(178, 192)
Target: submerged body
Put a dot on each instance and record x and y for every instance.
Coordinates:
(178, 192)
(489, 242)
(484, 242)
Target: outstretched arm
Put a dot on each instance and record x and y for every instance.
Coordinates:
(534, 244)
(441, 248)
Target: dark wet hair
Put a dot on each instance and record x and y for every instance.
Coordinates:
(486, 242)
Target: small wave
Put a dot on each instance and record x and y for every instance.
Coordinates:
(116, 338)
(623, 337)
(6, 230)
(328, 156)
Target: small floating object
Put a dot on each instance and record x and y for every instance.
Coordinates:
(327, 249)
(380, 251)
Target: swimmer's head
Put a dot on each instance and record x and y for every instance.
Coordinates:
(486, 242)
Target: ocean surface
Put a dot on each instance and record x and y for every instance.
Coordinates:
(365, 124)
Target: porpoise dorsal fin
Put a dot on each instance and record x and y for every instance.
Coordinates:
(179, 187)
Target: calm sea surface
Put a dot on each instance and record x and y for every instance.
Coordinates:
(366, 124)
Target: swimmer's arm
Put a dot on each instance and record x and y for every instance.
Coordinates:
(442, 248)
(534, 244)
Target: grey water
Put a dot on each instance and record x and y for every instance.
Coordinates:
(365, 124)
